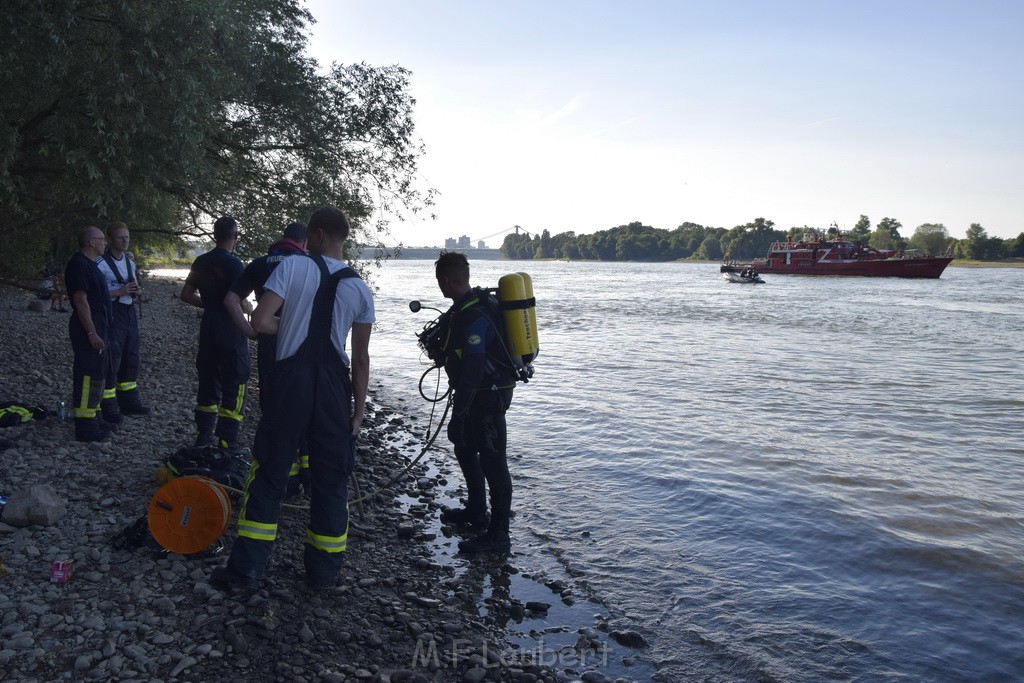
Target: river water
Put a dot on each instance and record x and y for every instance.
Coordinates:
(811, 479)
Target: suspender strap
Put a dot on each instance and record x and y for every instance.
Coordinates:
(117, 273)
(318, 334)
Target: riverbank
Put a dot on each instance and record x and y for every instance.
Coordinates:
(130, 614)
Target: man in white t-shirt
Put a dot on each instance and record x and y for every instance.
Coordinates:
(321, 300)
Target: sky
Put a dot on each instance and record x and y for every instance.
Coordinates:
(585, 115)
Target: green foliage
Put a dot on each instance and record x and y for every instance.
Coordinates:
(686, 239)
(887, 235)
(931, 238)
(547, 247)
(1015, 246)
(750, 240)
(165, 115)
(519, 246)
(861, 230)
(979, 246)
(638, 242)
(882, 239)
(710, 249)
(564, 245)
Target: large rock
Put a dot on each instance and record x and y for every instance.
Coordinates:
(40, 505)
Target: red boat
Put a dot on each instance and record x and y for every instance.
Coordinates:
(817, 255)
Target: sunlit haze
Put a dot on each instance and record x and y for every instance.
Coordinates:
(584, 115)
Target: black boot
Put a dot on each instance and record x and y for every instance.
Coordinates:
(294, 488)
(89, 429)
(491, 542)
(111, 414)
(465, 517)
(496, 539)
(130, 403)
(225, 579)
(206, 423)
(227, 433)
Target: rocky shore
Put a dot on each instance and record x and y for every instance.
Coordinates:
(129, 614)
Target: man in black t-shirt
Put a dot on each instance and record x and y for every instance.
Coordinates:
(88, 330)
(222, 360)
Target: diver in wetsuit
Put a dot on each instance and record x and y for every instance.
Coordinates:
(482, 379)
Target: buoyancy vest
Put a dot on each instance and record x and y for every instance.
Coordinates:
(499, 371)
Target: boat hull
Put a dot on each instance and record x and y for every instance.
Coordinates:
(909, 268)
(739, 279)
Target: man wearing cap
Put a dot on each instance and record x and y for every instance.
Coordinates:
(253, 279)
(222, 360)
(317, 391)
(88, 329)
(121, 393)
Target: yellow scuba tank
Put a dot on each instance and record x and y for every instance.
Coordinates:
(515, 295)
(528, 284)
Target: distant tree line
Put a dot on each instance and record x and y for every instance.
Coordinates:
(639, 242)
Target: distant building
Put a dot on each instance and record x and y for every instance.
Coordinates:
(462, 243)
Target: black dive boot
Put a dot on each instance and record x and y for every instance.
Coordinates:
(465, 517)
(496, 541)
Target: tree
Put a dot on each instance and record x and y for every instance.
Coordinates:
(167, 114)
(751, 240)
(564, 245)
(996, 249)
(887, 235)
(975, 243)
(931, 238)
(861, 229)
(710, 249)
(685, 239)
(1016, 247)
(517, 246)
(546, 249)
(603, 245)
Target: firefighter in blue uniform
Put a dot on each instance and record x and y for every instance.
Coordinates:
(121, 393)
(222, 360)
(88, 329)
(317, 392)
(482, 378)
(253, 279)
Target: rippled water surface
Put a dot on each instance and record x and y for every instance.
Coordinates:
(811, 479)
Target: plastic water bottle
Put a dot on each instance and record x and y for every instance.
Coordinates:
(62, 411)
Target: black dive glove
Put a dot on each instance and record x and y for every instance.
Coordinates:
(457, 431)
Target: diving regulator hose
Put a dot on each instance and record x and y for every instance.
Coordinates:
(431, 438)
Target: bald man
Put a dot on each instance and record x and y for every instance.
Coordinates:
(88, 329)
